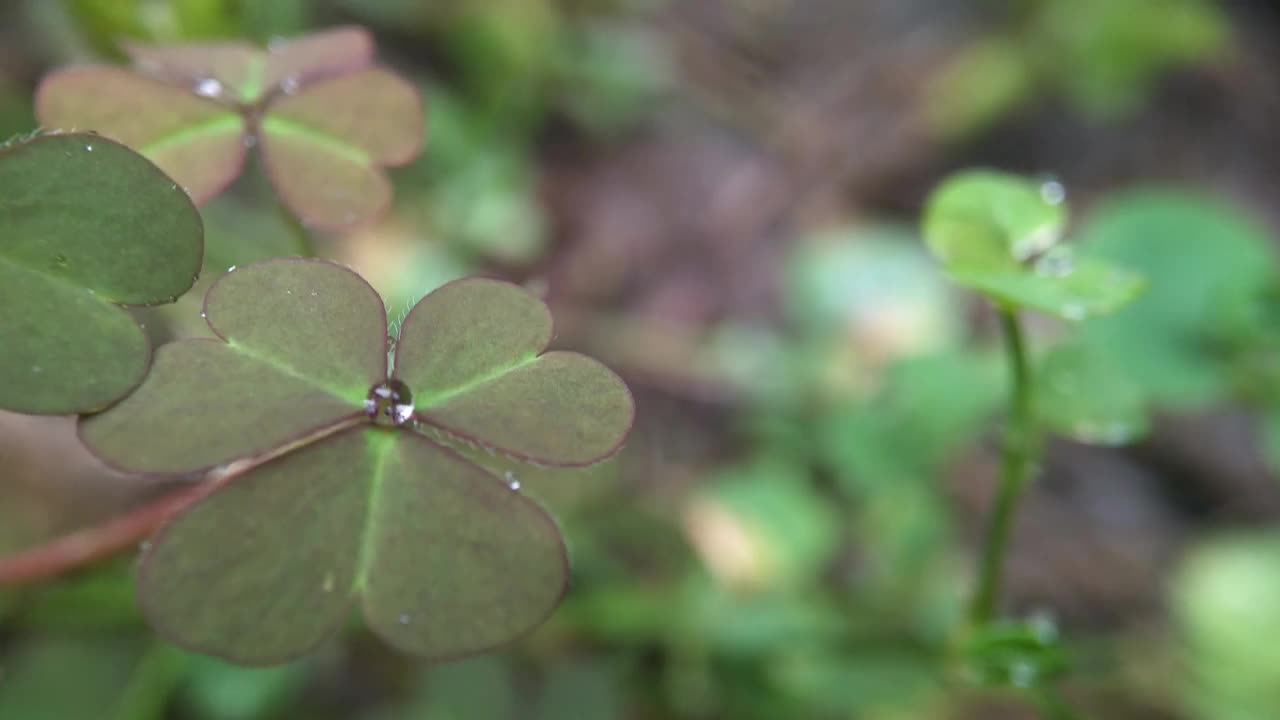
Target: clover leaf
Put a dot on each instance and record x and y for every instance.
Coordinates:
(998, 234)
(86, 226)
(353, 493)
(325, 120)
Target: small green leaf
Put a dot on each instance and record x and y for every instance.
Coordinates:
(472, 351)
(986, 221)
(1059, 284)
(194, 139)
(86, 225)
(1085, 397)
(997, 234)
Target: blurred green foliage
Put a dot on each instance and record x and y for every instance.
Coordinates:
(1103, 57)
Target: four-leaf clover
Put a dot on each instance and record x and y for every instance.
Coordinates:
(350, 492)
(325, 120)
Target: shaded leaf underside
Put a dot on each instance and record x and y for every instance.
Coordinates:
(446, 559)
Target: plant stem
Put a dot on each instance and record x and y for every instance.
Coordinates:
(1019, 454)
(97, 542)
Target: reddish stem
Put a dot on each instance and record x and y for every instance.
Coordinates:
(97, 542)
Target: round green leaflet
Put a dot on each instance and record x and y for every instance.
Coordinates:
(348, 497)
(86, 226)
(998, 234)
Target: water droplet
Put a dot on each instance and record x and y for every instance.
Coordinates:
(203, 314)
(512, 482)
(1023, 674)
(1057, 264)
(1073, 311)
(89, 148)
(209, 87)
(328, 583)
(289, 85)
(404, 619)
(231, 269)
(1052, 192)
(390, 403)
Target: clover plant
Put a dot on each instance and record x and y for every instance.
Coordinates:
(87, 227)
(324, 118)
(347, 486)
(1001, 235)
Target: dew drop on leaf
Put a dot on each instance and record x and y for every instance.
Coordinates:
(209, 87)
(404, 619)
(512, 482)
(390, 403)
(1053, 192)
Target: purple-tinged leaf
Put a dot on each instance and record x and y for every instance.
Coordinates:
(196, 141)
(263, 569)
(324, 147)
(304, 343)
(231, 72)
(456, 561)
(294, 62)
(472, 354)
(313, 318)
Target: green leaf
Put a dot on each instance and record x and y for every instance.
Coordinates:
(1059, 284)
(197, 141)
(324, 147)
(987, 221)
(996, 233)
(472, 352)
(86, 225)
(1085, 397)
(1224, 601)
(303, 342)
(1200, 257)
(448, 560)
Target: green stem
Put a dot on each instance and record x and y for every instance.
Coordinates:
(1019, 454)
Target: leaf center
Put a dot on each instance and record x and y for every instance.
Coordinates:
(390, 403)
